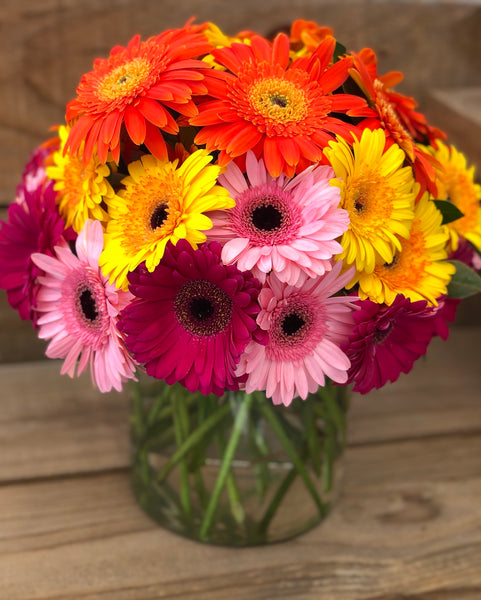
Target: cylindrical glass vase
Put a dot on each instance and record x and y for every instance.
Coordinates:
(236, 470)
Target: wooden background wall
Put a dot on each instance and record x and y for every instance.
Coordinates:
(46, 45)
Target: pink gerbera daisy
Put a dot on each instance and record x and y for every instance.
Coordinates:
(387, 340)
(33, 225)
(281, 224)
(306, 327)
(80, 312)
(192, 318)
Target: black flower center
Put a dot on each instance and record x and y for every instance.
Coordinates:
(267, 217)
(88, 305)
(292, 323)
(203, 308)
(359, 204)
(159, 215)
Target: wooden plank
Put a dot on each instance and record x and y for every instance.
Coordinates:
(52, 425)
(69, 427)
(408, 521)
(18, 339)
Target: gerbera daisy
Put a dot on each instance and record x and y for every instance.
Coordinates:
(160, 201)
(395, 114)
(306, 326)
(418, 270)
(305, 36)
(455, 183)
(81, 187)
(281, 110)
(378, 192)
(192, 318)
(289, 225)
(137, 86)
(387, 340)
(33, 225)
(80, 312)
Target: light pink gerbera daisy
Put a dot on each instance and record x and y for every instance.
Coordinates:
(285, 225)
(80, 312)
(306, 327)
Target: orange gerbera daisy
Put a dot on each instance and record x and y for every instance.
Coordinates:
(136, 86)
(305, 36)
(396, 115)
(281, 110)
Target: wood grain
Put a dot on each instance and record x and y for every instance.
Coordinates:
(392, 533)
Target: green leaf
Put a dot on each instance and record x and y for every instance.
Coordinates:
(449, 211)
(465, 282)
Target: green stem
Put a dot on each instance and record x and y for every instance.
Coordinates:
(293, 456)
(225, 465)
(232, 491)
(194, 438)
(181, 433)
(276, 501)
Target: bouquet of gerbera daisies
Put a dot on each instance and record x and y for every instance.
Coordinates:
(243, 215)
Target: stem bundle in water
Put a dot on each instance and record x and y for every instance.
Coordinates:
(235, 470)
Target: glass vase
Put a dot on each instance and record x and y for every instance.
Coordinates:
(235, 470)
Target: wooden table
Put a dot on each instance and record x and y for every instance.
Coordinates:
(407, 524)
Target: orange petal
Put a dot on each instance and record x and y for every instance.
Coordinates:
(152, 111)
(135, 124)
(155, 142)
(272, 157)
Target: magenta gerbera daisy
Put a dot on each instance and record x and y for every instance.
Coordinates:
(192, 318)
(387, 340)
(80, 311)
(306, 327)
(33, 225)
(281, 224)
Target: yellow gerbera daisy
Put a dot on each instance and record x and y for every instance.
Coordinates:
(81, 188)
(160, 201)
(419, 270)
(379, 194)
(456, 183)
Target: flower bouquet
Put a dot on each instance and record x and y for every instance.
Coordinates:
(242, 229)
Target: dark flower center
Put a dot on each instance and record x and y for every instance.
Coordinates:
(88, 305)
(159, 215)
(267, 217)
(359, 204)
(202, 308)
(381, 334)
(393, 263)
(292, 323)
(279, 100)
